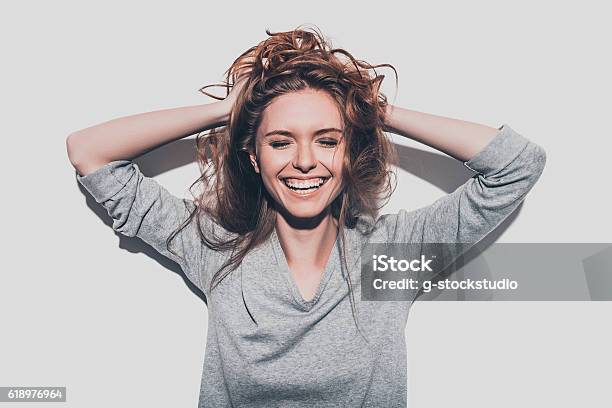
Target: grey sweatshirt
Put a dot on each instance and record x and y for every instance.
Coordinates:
(266, 345)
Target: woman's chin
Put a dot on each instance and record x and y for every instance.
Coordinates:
(311, 216)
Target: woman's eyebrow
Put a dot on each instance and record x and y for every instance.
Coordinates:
(288, 133)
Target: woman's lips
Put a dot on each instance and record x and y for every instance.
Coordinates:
(304, 187)
(301, 183)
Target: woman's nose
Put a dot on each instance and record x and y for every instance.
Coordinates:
(305, 159)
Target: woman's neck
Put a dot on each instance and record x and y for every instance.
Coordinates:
(307, 246)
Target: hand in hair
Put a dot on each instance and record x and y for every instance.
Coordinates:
(241, 75)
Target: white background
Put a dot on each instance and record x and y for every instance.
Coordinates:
(82, 307)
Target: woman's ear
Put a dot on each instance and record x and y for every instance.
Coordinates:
(253, 159)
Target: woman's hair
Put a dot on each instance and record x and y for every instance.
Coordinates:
(234, 195)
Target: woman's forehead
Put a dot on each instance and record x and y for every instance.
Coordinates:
(306, 111)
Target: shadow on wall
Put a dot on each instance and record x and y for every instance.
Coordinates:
(440, 170)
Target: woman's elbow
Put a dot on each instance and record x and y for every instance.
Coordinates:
(80, 160)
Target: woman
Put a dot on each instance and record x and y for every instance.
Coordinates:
(298, 169)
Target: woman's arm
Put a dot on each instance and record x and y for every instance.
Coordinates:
(127, 137)
(507, 166)
(457, 138)
(137, 204)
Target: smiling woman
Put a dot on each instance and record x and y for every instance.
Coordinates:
(303, 155)
(299, 153)
(295, 168)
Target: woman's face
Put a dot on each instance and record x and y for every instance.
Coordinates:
(299, 152)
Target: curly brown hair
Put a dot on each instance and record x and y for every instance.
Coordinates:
(234, 195)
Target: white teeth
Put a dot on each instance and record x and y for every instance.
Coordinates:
(313, 183)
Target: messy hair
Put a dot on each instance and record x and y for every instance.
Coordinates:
(234, 195)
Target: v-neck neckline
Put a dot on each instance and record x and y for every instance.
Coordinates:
(284, 268)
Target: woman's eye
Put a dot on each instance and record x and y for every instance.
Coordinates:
(329, 143)
(278, 145)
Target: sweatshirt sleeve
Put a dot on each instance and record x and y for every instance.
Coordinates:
(507, 168)
(141, 207)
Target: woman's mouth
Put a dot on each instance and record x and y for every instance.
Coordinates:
(304, 187)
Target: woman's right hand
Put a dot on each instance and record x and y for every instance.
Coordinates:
(242, 76)
(229, 101)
